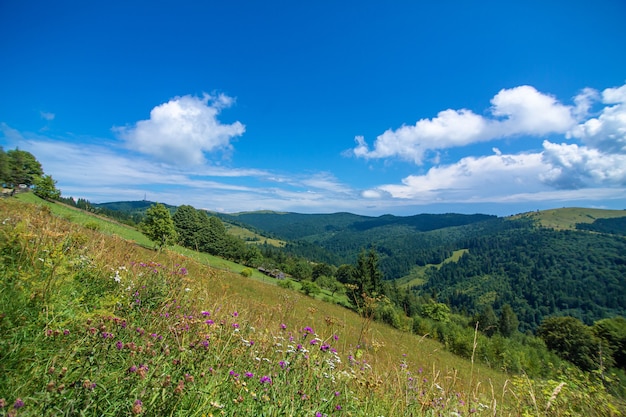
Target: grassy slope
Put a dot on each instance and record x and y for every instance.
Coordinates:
(566, 218)
(416, 277)
(111, 227)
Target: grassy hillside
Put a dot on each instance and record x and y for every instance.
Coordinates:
(567, 218)
(94, 324)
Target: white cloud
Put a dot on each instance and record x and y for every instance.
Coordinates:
(573, 166)
(516, 111)
(180, 131)
(472, 178)
(607, 131)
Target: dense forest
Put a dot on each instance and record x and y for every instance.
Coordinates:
(539, 272)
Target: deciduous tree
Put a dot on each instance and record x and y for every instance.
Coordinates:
(159, 226)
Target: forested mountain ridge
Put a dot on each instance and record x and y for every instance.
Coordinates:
(539, 272)
(295, 226)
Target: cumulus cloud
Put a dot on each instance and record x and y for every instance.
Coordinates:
(471, 178)
(607, 131)
(593, 162)
(180, 131)
(517, 111)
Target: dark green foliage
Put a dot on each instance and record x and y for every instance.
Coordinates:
(616, 226)
(187, 222)
(300, 269)
(612, 332)
(487, 321)
(345, 273)
(23, 168)
(158, 226)
(402, 242)
(508, 323)
(323, 269)
(366, 277)
(569, 338)
(538, 272)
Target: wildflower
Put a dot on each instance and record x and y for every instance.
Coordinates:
(137, 407)
(249, 375)
(324, 348)
(235, 314)
(210, 322)
(307, 330)
(282, 364)
(337, 407)
(265, 380)
(3, 403)
(313, 342)
(283, 326)
(18, 404)
(236, 325)
(66, 332)
(206, 313)
(119, 345)
(180, 387)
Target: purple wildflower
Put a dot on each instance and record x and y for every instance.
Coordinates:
(206, 313)
(119, 345)
(265, 380)
(18, 404)
(249, 375)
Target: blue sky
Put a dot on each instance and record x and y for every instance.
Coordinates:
(400, 107)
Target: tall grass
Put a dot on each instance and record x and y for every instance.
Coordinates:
(93, 324)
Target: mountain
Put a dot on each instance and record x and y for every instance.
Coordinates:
(130, 207)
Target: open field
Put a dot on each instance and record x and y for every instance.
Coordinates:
(567, 218)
